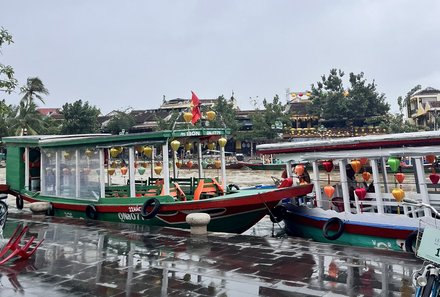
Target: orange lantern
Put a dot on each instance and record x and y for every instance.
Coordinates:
(430, 158)
(329, 191)
(356, 165)
(366, 175)
(299, 169)
(178, 164)
(398, 194)
(217, 164)
(189, 164)
(400, 177)
(124, 170)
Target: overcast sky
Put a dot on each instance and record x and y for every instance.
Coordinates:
(119, 54)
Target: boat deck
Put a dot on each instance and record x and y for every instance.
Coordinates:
(90, 258)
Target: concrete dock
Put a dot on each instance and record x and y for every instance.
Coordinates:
(89, 258)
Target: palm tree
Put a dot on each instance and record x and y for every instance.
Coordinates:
(26, 113)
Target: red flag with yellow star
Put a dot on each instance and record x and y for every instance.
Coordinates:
(195, 108)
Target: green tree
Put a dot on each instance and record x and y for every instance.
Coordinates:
(5, 115)
(405, 102)
(7, 80)
(168, 122)
(270, 122)
(121, 120)
(26, 115)
(225, 115)
(360, 103)
(80, 118)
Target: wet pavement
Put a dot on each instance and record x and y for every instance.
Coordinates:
(88, 258)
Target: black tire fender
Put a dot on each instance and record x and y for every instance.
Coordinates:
(19, 202)
(233, 187)
(156, 206)
(328, 224)
(410, 242)
(278, 213)
(3, 214)
(91, 212)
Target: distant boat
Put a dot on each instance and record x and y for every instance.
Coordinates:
(344, 210)
(264, 163)
(74, 175)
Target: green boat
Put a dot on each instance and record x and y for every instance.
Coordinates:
(75, 176)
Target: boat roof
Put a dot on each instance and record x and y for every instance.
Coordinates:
(386, 145)
(107, 140)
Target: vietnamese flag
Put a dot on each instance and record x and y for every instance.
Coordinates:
(195, 108)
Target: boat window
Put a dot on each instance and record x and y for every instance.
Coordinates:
(70, 173)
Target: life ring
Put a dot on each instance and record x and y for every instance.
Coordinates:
(278, 213)
(410, 242)
(149, 215)
(19, 202)
(51, 210)
(329, 223)
(233, 187)
(91, 212)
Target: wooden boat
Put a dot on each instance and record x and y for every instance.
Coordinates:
(264, 163)
(363, 211)
(75, 175)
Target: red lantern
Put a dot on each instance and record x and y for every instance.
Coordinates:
(361, 193)
(329, 191)
(434, 178)
(178, 164)
(328, 165)
(400, 177)
(430, 158)
(363, 161)
(189, 164)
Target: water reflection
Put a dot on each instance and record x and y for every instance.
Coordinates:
(101, 259)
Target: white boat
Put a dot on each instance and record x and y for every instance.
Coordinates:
(341, 210)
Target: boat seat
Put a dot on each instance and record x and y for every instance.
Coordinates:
(207, 189)
(175, 191)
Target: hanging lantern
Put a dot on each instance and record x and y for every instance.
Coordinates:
(124, 170)
(210, 115)
(356, 165)
(434, 178)
(178, 164)
(188, 146)
(222, 142)
(363, 161)
(211, 146)
(217, 164)
(346, 93)
(400, 177)
(148, 150)
(299, 169)
(175, 145)
(308, 94)
(328, 165)
(111, 170)
(120, 149)
(329, 191)
(139, 148)
(187, 116)
(204, 164)
(430, 158)
(394, 164)
(88, 153)
(361, 193)
(398, 194)
(66, 155)
(144, 164)
(366, 176)
(141, 170)
(113, 164)
(114, 152)
(158, 169)
(189, 164)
